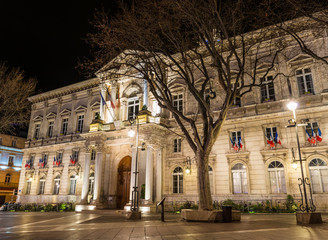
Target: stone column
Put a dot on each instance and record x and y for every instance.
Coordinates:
(106, 175)
(133, 165)
(86, 173)
(158, 157)
(96, 191)
(149, 176)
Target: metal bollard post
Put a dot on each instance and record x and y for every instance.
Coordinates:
(162, 207)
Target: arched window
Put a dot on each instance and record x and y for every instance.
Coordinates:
(277, 177)
(42, 185)
(8, 178)
(56, 185)
(210, 174)
(239, 178)
(177, 180)
(91, 183)
(319, 175)
(72, 188)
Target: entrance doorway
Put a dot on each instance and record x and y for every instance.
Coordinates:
(123, 182)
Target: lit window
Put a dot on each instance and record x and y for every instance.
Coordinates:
(72, 188)
(64, 126)
(80, 121)
(37, 131)
(239, 178)
(133, 108)
(267, 89)
(304, 80)
(42, 185)
(277, 177)
(178, 102)
(50, 129)
(56, 185)
(11, 161)
(319, 175)
(91, 183)
(8, 178)
(177, 180)
(177, 145)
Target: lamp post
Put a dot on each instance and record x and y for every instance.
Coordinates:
(135, 214)
(304, 180)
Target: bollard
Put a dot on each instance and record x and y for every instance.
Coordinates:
(162, 208)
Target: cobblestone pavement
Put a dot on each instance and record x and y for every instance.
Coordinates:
(113, 225)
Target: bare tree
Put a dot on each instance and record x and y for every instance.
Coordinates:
(15, 89)
(215, 49)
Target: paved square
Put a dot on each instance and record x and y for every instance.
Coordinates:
(113, 225)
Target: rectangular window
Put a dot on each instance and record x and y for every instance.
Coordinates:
(11, 161)
(237, 100)
(56, 187)
(177, 145)
(37, 131)
(93, 154)
(28, 187)
(270, 133)
(75, 155)
(64, 126)
(178, 102)
(42, 185)
(304, 80)
(267, 89)
(13, 143)
(72, 186)
(133, 108)
(0, 141)
(80, 121)
(60, 156)
(235, 135)
(312, 126)
(50, 129)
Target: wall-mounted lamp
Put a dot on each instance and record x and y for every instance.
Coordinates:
(188, 168)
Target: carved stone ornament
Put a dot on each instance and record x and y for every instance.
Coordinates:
(269, 155)
(242, 156)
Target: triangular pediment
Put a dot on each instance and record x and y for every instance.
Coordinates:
(51, 115)
(96, 104)
(301, 58)
(65, 112)
(80, 108)
(38, 118)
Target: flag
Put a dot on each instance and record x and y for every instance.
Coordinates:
(313, 138)
(270, 141)
(28, 164)
(234, 145)
(318, 137)
(103, 102)
(73, 160)
(40, 162)
(109, 97)
(309, 137)
(118, 104)
(240, 143)
(277, 139)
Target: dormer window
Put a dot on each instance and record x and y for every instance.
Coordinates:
(178, 102)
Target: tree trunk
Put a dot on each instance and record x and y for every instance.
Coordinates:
(204, 190)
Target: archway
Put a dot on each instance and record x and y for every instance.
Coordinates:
(123, 182)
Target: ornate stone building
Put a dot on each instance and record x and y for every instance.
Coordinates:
(71, 156)
(11, 155)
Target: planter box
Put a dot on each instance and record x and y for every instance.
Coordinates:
(308, 218)
(190, 215)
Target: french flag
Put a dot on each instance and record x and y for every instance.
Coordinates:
(313, 138)
(309, 137)
(277, 139)
(240, 143)
(318, 137)
(109, 97)
(270, 141)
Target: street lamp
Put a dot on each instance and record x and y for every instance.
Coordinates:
(304, 180)
(135, 194)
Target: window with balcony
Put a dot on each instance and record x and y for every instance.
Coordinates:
(267, 89)
(304, 81)
(133, 108)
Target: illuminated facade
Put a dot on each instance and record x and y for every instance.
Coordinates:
(11, 155)
(71, 156)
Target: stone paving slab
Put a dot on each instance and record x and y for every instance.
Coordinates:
(113, 226)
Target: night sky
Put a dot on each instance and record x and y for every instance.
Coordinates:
(45, 38)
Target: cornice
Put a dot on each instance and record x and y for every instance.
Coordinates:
(76, 87)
